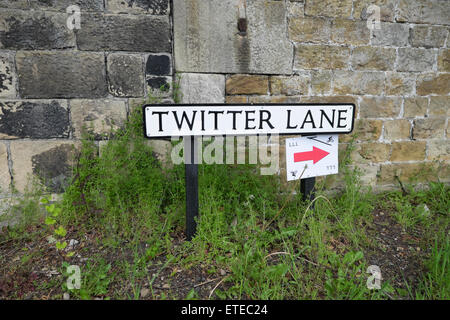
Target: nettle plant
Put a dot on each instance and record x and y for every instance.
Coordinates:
(53, 213)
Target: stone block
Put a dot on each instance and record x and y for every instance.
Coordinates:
(34, 30)
(415, 59)
(424, 11)
(408, 150)
(433, 83)
(313, 30)
(397, 130)
(429, 128)
(155, 7)
(50, 161)
(329, 8)
(391, 34)
(247, 84)
(61, 74)
(321, 57)
(373, 58)
(138, 33)
(428, 36)
(98, 118)
(125, 75)
(415, 107)
(399, 84)
(349, 32)
(291, 85)
(202, 88)
(359, 83)
(35, 119)
(380, 107)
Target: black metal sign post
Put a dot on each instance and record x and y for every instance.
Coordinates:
(191, 184)
(194, 120)
(307, 188)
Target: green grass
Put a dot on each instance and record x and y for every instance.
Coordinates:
(270, 243)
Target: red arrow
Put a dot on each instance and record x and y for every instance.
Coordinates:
(315, 155)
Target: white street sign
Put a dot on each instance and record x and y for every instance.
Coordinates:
(319, 153)
(247, 119)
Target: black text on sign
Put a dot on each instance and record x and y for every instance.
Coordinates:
(219, 119)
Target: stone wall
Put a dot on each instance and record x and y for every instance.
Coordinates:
(54, 81)
(321, 51)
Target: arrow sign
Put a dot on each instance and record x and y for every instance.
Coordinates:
(315, 155)
(324, 155)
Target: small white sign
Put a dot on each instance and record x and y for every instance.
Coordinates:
(318, 153)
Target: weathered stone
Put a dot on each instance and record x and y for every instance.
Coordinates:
(428, 36)
(34, 30)
(368, 174)
(8, 77)
(391, 34)
(159, 87)
(290, 86)
(48, 160)
(162, 150)
(61, 5)
(373, 58)
(329, 8)
(202, 88)
(444, 171)
(329, 99)
(397, 130)
(158, 65)
(424, 11)
(428, 128)
(321, 57)
(295, 9)
(247, 84)
(438, 150)
(365, 130)
(34, 119)
(124, 32)
(414, 59)
(371, 152)
(125, 75)
(350, 32)
(273, 99)
(61, 74)
(360, 83)
(14, 4)
(236, 99)
(314, 30)
(408, 150)
(407, 172)
(433, 84)
(380, 107)
(387, 9)
(321, 82)
(5, 176)
(439, 106)
(202, 25)
(444, 60)
(399, 84)
(156, 7)
(415, 107)
(98, 118)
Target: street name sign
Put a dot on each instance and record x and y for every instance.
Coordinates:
(165, 121)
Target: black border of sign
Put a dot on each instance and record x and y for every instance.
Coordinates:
(250, 105)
